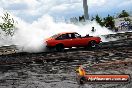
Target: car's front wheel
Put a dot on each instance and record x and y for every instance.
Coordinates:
(59, 47)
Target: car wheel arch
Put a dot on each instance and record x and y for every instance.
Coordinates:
(59, 44)
(59, 47)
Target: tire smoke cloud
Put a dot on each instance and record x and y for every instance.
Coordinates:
(30, 37)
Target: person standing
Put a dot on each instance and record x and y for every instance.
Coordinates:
(93, 29)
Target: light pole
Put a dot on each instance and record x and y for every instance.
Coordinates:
(85, 7)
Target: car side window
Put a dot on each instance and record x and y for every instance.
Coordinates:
(71, 35)
(62, 37)
(77, 35)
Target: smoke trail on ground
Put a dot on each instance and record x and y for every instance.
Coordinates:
(31, 37)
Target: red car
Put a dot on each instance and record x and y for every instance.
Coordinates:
(71, 39)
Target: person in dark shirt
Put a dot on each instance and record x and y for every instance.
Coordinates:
(93, 29)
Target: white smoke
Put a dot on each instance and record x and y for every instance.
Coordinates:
(31, 37)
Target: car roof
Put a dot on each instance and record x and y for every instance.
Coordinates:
(66, 33)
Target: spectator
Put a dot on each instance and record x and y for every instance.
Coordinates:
(93, 29)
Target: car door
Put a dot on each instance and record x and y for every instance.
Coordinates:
(78, 41)
(65, 40)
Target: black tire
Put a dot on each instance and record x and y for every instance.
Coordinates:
(59, 47)
(92, 44)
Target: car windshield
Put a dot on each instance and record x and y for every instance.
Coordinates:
(54, 36)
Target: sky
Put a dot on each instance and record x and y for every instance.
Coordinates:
(31, 10)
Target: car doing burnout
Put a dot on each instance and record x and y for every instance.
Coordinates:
(71, 39)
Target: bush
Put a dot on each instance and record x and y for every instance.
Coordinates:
(8, 24)
(123, 14)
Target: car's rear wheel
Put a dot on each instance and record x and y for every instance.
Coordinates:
(92, 44)
(59, 47)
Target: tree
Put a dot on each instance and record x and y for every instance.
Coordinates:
(123, 14)
(99, 20)
(81, 18)
(8, 24)
(128, 19)
(109, 22)
(92, 18)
